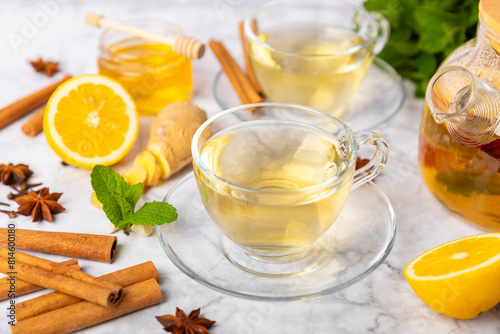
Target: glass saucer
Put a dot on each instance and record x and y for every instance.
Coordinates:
(379, 97)
(356, 244)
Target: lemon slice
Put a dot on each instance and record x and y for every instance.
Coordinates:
(91, 120)
(460, 278)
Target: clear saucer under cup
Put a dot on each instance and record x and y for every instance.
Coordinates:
(379, 97)
(355, 245)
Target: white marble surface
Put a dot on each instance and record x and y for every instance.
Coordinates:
(381, 303)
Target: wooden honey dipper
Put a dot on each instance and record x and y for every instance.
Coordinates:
(185, 46)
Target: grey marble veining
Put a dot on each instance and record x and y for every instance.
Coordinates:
(381, 303)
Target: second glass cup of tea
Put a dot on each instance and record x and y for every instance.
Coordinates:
(274, 177)
(313, 53)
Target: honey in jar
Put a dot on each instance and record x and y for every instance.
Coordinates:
(151, 72)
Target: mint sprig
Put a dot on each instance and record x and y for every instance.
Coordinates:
(424, 33)
(119, 199)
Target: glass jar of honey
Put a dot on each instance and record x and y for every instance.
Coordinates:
(151, 72)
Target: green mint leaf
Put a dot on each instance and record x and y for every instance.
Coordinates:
(133, 194)
(402, 48)
(121, 206)
(152, 213)
(431, 43)
(426, 64)
(116, 196)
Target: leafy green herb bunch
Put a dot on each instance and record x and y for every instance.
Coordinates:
(424, 33)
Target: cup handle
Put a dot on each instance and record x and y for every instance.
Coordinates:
(384, 30)
(377, 161)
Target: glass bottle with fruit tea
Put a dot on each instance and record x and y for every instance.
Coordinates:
(459, 145)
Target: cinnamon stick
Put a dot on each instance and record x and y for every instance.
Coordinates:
(84, 314)
(22, 288)
(85, 246)
(246, 92)
(56, 300)
(58, 277)
(246, 55)
(34, 125)
(26, 104)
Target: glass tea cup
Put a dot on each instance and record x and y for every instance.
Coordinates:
(313, 53)
(274, 177)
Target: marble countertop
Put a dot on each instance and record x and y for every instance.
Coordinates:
(383, 302)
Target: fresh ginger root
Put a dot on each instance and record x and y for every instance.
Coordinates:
(169, 146)
(171, 134)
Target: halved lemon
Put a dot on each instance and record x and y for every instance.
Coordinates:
(90, 120)
(460, 278)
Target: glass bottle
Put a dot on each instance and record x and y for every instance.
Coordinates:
(459, 143)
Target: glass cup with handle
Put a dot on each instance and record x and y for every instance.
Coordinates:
(313, 53)
(275, 177)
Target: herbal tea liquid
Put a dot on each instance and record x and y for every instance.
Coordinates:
(307, 73)
(152, 73)
(465, 179)
(273, 156)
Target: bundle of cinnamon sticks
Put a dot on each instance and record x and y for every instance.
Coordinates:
(245, 85)
(57, 312)
(59, 277)
(80, 300)
(27, 104)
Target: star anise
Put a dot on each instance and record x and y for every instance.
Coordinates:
(180, 324)
(10, 173)
(42, 205)
(49, 68)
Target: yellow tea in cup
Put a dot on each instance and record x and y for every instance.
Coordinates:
(274, 157)
(275, 180)
(318, 78)
(313, 53)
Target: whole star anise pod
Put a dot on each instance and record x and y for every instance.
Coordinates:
(49, 68)
(180, 324)
(42, 205)
(10, 174)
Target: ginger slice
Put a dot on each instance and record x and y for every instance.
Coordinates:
(148, 161)
(136, 175)
(142, 230)
(95, 202)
